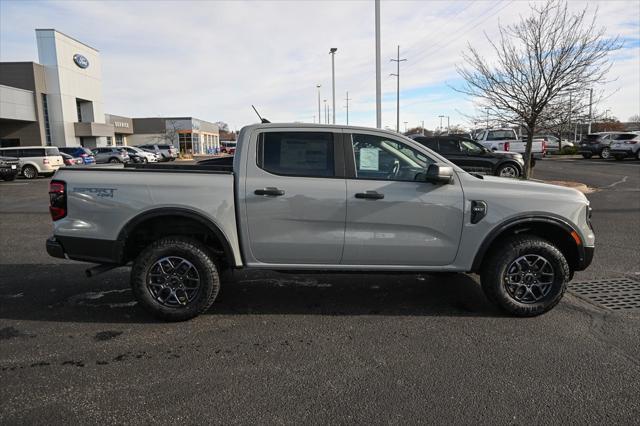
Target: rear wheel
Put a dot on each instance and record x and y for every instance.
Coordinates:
(525, 276)
(605, 154)
(508, 170)
(114, 160)
(175, 279)
(29, 172)
(587, 155)
(638, 154)
(9, 177)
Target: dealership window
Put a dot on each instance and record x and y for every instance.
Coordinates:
(47, 127)
(119, 140)
(195, 138)
(109, 141)
(79, 110)
(185, 144)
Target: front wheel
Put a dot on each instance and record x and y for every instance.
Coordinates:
(508, 170)
(525, 276)
(586, 155)
(175, 279)
(114, 160)
(605, 154)
(9, 177)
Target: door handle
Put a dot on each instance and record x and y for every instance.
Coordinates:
(275, 192)
(370, 195)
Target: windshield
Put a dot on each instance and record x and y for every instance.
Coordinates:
(501, 135)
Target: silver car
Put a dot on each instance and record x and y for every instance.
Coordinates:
(111, 155)
(626, 145)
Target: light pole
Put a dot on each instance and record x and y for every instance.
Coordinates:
(326, 112)
(347, 99)
(397, 75)
(405, 126)
(332, 52)
(378, 78)
(487, 118)
(441, 117)
(590, 110)
(448, 126)
(319, 115)
(422, 127)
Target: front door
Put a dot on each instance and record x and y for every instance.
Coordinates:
(393, 216)
(295, 198)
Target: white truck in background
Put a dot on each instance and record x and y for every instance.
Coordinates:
(507, 140)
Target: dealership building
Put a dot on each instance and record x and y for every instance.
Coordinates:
(58, 102)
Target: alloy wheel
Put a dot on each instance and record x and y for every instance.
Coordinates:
(529, 278)
(173, 281)
(29, 172)
(509, 171)
(605, 154)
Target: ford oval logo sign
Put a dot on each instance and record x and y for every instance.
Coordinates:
(81, 61)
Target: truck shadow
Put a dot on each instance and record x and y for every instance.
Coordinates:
(61, 293)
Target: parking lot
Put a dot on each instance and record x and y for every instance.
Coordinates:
(283, 348)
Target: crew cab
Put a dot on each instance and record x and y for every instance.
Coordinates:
(319, 198)
(507, 140)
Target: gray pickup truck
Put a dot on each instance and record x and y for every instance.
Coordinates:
(319, 199)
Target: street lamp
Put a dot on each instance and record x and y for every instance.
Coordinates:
(332, 52)
(326, 112)
(319, 115)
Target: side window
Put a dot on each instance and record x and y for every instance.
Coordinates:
(297, 153)
(33, 152)
(449, 146)
(10, 153)
(382, 158)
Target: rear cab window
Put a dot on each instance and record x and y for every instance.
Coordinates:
(303, 154)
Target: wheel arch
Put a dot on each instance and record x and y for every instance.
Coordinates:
(180, 219)
(554, 229)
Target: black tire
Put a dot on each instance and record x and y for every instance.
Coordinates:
(494, 280)
(199, 258)
(29, 172)
(605, 154)
(9, 177)
(619, 157)
(114, 160)
(511, 170)
(638, 154)
(587, 155)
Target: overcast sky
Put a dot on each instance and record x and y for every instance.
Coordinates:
(213, 59)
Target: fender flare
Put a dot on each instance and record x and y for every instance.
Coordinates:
(126, 230)
(505, 226)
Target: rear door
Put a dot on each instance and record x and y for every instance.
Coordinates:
(394, 217)
(295, 197)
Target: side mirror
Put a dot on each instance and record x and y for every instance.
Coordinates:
(439, 173)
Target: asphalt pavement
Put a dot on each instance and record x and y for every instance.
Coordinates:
(284, 348)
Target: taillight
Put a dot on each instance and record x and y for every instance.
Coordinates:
(544, 146)
(84, 155)
(589, 214)
(631, 142)
(506, 146)
(45, 161)
(57, 199)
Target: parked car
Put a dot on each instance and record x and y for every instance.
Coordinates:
(507, 140)
(79, 151)
(552, 143)
(110, 154)
(304, 197)
(167, 152)
(35, 160)
(473, 157)
(71, 161)
(597, 144)
(626, 145)
(139, 155)
(228, 147)
(9, 168)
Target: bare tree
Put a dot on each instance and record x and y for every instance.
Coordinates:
(541, 60)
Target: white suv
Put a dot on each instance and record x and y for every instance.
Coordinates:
(35, 160)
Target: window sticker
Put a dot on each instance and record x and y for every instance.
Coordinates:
(369, 159)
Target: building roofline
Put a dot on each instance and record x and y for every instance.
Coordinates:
(68, 36)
